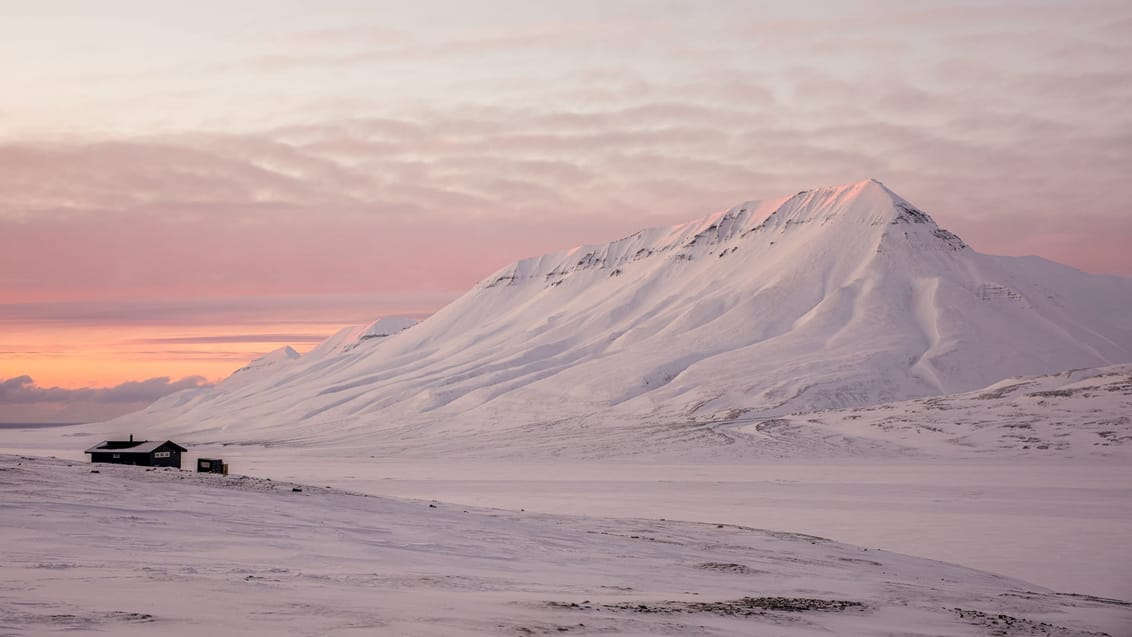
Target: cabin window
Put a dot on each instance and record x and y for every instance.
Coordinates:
(116, 456)
(161, 454)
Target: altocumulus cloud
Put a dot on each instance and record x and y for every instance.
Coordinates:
(21, 399)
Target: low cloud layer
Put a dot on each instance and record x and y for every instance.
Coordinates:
(252, 311)
(22, 400)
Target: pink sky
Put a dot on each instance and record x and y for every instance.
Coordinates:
(185, 186)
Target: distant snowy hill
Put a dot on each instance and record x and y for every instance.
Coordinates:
(1074, 413)
(839, 297)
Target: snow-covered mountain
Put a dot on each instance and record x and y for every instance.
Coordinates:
(838, 297)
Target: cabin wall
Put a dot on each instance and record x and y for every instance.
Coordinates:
(152, 459)
(114, 457)
(173, 459)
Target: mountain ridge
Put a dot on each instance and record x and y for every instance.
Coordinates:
(869, 198)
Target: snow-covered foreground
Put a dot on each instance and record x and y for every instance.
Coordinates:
(1062, 524)
(130, 551)
(1059, 522)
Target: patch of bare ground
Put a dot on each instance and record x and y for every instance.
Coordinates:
(742, 607)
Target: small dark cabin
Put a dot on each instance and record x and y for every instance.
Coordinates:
(144, 453)
(211, 465)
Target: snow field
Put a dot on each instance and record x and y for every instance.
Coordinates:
(132, 551)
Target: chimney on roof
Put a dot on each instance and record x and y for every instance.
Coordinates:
(131, 437)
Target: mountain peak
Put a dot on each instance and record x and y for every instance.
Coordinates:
(271, 360)
(282, 354)
(868, 201)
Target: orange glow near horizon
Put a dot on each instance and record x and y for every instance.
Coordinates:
(107, 356)
(83, 361)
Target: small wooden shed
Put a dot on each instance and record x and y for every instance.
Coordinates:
(211, 465)
(144, 453)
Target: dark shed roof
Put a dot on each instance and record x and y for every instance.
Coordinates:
(144, 446)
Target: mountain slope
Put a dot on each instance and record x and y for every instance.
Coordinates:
(837, 297)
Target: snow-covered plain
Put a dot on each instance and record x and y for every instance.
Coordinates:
(133, 551)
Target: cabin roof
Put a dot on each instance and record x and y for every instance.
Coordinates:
(142, 446)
